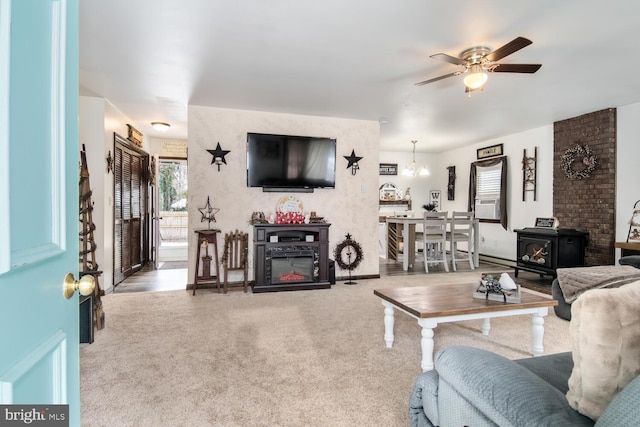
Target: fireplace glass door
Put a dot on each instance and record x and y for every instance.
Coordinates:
(297, 265)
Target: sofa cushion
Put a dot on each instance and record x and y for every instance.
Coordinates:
(632, 260)
(605, 340)
(623, 409)
(552, 368)
(505, 392)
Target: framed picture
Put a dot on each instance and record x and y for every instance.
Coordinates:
(388, 169)
(494, 150)
(434, 198)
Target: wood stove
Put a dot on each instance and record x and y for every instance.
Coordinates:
(542, 250)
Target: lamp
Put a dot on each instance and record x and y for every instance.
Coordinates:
(160, 126)
(476, 77)
(412, 168)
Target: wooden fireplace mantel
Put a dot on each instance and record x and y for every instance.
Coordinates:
(278, 237)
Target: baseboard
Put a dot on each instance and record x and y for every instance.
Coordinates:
(360, 277)
(498, 260)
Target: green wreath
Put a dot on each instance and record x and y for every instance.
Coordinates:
(353, 248)
(584, 156)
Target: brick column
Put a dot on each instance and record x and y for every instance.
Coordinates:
(588, 204)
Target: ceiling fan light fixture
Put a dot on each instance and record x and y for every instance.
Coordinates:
(476, 77)
(160, 126)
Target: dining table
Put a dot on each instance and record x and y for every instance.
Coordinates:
(403, 229)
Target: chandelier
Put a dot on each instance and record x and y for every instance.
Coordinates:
(412, 168)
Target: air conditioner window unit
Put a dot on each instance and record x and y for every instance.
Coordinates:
(487, 208)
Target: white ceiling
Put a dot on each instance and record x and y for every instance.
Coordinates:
(360, 59)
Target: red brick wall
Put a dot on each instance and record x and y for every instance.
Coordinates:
(588, 204)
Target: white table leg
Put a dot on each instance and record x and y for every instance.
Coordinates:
(388, 323)
(537, 332)
(486, 326)
(427, 343)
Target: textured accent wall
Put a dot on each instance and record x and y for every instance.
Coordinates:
(352, 207)
(588, 204)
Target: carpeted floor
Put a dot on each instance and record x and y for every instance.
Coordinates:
(534, 282)
(313, 358)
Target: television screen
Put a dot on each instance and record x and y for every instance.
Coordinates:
(283, 161)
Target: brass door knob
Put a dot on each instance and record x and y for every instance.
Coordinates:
(85, 285)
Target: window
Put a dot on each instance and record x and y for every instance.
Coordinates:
(487, 190)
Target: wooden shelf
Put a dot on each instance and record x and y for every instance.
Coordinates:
(628, 248)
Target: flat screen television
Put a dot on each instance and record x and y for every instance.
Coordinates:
(289, 163)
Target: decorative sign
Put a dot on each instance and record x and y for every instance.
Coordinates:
(388, 169)
(451, 186)
(545, 222)
(434, 198)
(135, 136)
(494, 150)
(173, 148)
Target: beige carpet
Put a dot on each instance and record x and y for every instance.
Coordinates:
(313, 358)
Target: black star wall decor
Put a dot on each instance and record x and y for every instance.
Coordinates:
(353, 162)
(218, 156)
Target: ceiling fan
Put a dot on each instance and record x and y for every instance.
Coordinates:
(480, 60)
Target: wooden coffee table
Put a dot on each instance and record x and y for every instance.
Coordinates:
(435, 304)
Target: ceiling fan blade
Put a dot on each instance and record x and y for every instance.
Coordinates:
(448, 58)
(509, 48)
(516, 68)
(457, 73)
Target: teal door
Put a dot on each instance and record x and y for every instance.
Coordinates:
(39, 350)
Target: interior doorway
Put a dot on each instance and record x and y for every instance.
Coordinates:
(172, 213)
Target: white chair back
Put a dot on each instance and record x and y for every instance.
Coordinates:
(461, 230)
(434, 238)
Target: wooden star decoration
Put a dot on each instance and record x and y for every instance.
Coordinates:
(353, 159)
(208, 213)
(218, 156)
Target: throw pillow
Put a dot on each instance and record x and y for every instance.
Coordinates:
(632, 260)
(605, 340)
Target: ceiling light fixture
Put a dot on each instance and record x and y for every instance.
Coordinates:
(476, 77)
(161, 126)
(412, 168)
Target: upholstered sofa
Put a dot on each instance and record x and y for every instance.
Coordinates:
(595, 384)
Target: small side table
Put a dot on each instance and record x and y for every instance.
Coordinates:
(206, 238)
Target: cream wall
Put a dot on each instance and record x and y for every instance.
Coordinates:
(627, 171)
(98, 120)
(352, 207)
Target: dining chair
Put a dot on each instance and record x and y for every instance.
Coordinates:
(461, 230)
(434, 239)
